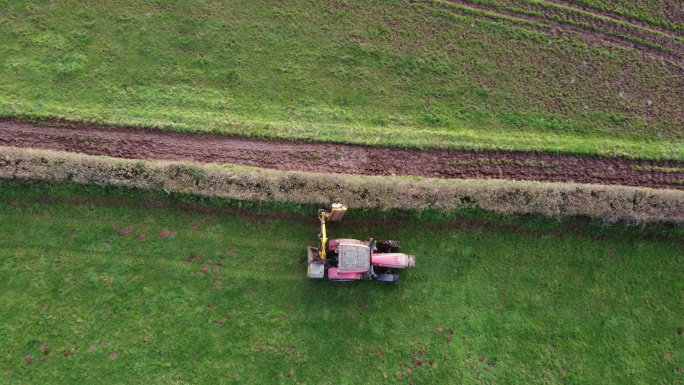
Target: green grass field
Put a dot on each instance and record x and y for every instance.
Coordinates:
(142, 287)
(528, 301)
(366, 72)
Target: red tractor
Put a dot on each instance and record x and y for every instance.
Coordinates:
(351, 259)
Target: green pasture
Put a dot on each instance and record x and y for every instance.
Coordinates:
(377, 72)
(491, 300)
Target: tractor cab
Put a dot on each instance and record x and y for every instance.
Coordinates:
(349, 260)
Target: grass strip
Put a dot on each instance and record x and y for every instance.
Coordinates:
(139, 287)
(658, 169)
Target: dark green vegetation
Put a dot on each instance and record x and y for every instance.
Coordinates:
(367, 72)
(216, 294)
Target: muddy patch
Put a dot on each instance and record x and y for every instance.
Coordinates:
(353, 159)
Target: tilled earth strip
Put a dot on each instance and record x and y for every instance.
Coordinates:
(342, 158)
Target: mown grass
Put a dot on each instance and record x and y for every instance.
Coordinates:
(529, 301)
(376, 72)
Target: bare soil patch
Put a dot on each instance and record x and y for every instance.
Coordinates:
(341, 158)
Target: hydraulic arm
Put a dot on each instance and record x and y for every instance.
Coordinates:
(335, 213)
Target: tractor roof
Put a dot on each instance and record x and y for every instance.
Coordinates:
(353, 257)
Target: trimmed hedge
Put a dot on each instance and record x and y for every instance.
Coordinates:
(608, 203)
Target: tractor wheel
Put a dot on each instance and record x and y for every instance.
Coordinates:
(388, 277)
(386, 246)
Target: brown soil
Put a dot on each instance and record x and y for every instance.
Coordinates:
(594, 30)
(339, 158)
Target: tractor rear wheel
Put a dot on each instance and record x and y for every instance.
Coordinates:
(386, 246)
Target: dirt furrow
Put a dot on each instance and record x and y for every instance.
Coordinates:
(591, 30)
(622, 18)
(340, 158)
(610, 26)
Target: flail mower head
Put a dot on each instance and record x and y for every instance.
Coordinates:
(350, 259)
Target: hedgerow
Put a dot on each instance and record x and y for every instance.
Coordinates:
(607, 203)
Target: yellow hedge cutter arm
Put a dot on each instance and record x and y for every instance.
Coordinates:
(335, 213)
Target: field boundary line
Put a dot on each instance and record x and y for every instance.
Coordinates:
(132, 143)
(607, 203)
